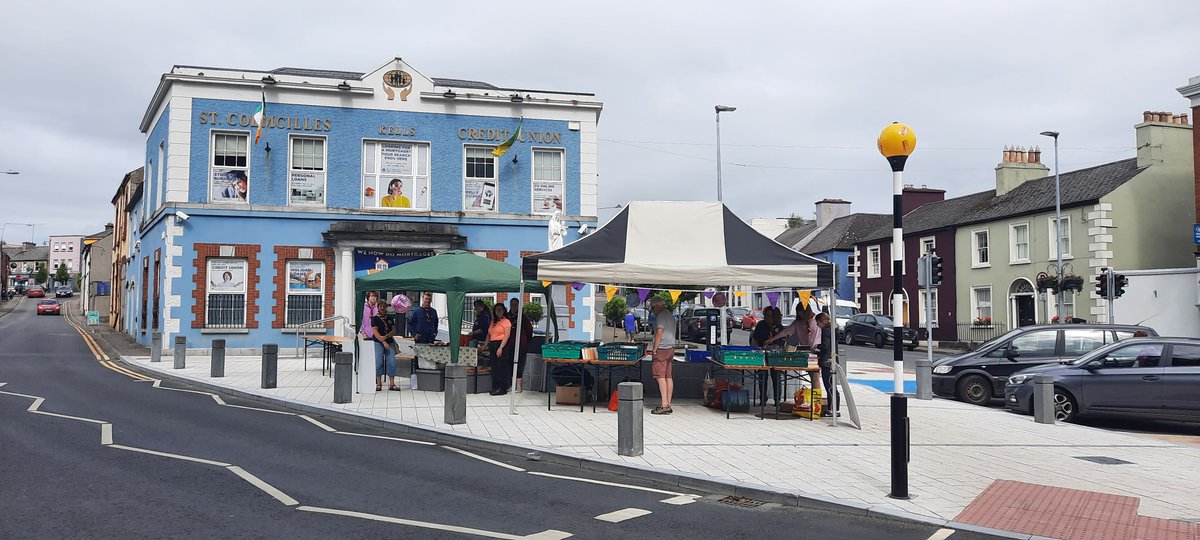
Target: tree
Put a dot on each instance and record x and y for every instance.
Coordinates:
(534, 311)
(615, 309)
(795, 221)
(62, 274)
(42, 275)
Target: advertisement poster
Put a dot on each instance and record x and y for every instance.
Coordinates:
(226, 275)
(307, 187)
(547, 197)
(396, 158)
(229, 185)
(479, 196)
(370, 261)
(305, 277)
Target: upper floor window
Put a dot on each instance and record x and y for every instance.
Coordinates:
(928, 245)
(396, 175)
(229, 180)
(306, 171)
(874, 263)
(852, 265)
(1065, 228)
(548, 181)
(980, 255)
(479, 179)
(1018, 235)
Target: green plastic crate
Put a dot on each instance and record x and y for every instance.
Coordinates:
(621, 351)
(568, 351)
(787, 359)
(740, 358)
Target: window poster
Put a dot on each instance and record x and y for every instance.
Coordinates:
(370, 261)
(479, 196)
(227, 276)
(229, 185)
(307, 187)
(547, 197)
(396, 159)
(305, 277)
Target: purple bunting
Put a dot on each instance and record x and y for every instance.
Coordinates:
(643, 293)
(577, 286)
(709, 294)
(773, 298)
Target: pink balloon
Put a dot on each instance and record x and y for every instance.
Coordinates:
(401, 303)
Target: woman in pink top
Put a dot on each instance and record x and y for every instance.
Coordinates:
(805, 328)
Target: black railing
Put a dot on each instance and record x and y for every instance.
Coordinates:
(972, 333)
(304, 308)
(226, 311)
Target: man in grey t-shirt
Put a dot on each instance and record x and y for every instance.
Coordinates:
(663, 353)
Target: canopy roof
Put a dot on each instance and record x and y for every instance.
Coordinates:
(679, 243)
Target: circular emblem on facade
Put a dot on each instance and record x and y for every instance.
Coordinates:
(397, 78)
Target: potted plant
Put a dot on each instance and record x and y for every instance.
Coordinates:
(1072, 283)
(1046, 282)
(983, 321)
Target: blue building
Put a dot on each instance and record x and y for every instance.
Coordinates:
(266, 193)
(831, 237)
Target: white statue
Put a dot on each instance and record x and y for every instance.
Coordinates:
(557, 228)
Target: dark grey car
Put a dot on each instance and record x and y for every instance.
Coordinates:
(1152, 377)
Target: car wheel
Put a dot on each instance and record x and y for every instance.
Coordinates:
(1065, 409)
(848, 338)
(911, 347)
(879, 341)
(975, 389)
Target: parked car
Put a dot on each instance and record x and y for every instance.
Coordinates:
(695, 322)
(1153, 378)
(875, 329)
(49, 307)
(35, 291)
(978, 376)
(751, 318)
(642, 316)
(62, 292)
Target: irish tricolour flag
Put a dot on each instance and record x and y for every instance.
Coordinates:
(258, 117)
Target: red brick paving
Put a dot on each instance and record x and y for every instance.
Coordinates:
(1070, 514)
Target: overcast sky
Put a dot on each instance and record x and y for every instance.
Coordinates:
(814, 82)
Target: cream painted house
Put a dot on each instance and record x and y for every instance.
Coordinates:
(1132, 214)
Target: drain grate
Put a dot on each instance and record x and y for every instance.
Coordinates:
(1104, 460)
(741, 502)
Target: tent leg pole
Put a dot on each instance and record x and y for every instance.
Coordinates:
(512, 390)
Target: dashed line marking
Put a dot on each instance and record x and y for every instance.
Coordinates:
(268, 488)
(622, 515)
(680, 500)
(544, 535)
(106, 434)
(484, 459)
(317, 423)
(941, 534)
(169, 455)
(613, 484)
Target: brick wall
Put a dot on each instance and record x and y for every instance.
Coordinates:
(154, 313)
(240, 251)
(145, 289)
(283, 254)
(495, 255)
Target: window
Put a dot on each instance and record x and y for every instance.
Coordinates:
(396, 175)
(873, 262)
(928, 244)
(852, 265)
(981, 304)
(306, 171)
(875, 303)
(225, 304)
(468, 316)
(1146, 355)
(1065, 226)
(933, 304)
(1068, 307)
(305, 292)
(1185, 356)
(1018, 243)
(479, 179)
(1036, 344)
(229, 180)
(1077, 342)
(979, 249)
(162, 182)
(548, 181)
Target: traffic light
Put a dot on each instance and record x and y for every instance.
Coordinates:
(935, 267)
(1119, 283)
(1102, 284)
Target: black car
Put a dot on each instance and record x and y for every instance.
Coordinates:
(875, 329)
(978, 376)
(1153, 378)
(695, 322)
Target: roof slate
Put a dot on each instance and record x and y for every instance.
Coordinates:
(794, 235)
(842, 233)
(935, 215)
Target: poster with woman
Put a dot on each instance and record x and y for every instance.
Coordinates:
(229, 185)
(227, 275)
(305, 277)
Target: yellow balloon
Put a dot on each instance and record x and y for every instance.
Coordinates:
(897, 140)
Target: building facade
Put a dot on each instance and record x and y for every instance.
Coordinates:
(96, 279)
(245, 233)
(128, 192)
(65, 250)
(24, 262)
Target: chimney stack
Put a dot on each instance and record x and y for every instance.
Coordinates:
(831, 209)
(1164, 138)
(1017, 166)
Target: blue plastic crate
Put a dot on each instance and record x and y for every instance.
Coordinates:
(698, 355)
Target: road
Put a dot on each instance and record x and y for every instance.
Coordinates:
(104, 454)
(854, 353)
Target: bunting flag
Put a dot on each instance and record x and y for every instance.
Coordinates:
(675, 295)
(504, 146)
(258, 117)
(577, 286)
(804, 297)
(773, 298)
(643, 293)
(610, 292)
(709, 294)
(546, 283)
(739, 294)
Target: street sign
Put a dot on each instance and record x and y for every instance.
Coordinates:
(1196, 233)
(93, 318)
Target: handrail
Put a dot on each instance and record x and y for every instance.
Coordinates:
(313, 325)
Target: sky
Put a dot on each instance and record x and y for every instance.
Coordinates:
(814, 83)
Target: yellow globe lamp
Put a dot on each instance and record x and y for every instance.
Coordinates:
(896, 142)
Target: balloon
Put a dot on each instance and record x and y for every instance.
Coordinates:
(632, 299)
(719, 299)
(401, 303)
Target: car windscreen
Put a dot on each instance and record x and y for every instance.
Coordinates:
(991, 343)
(883, 321)
(846, 311)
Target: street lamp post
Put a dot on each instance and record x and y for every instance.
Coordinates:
(720, 109)
(1058, 227)
(896, 142)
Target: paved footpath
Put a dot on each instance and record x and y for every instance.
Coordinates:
(959, 451)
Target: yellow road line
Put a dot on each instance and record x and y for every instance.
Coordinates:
(125, 371)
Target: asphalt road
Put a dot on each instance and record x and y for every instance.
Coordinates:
(59, 477)
(854, 353)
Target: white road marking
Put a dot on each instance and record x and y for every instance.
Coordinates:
(544, 535)
(622, 515)
(169, 455)
(257, 409)
(37, 402)
(314, 422)
(106, 434)
(680, 500)
(483, 459)
(941, 534)
(386, 438)
(613, 484)
(258, 483)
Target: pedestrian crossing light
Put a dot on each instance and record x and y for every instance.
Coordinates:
(1120, 282)
(1102, 284)
(935, 267)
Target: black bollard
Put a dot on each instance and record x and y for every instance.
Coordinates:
(218, 358)
(180, 352)
(270, 365)
(343, 377)
(900, 443)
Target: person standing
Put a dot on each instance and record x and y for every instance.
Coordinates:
(498, 345)
(370, 310)
(768, 326)
(825, 359)
(423, 321)
(630, 326)
(483, 321)
(663, 353)
(514, 306)
(383, 333)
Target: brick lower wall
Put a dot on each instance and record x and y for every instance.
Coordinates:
(154, 313)
(240, 251)
(284, 254)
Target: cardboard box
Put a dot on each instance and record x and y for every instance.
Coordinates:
(568, 395)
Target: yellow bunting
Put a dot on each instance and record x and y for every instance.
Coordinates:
(739, 293)
(610, 292)
(804, 297)
(546, 283)
(675, 296)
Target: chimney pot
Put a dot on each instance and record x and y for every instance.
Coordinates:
(1146, 116)
(1183, 119)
